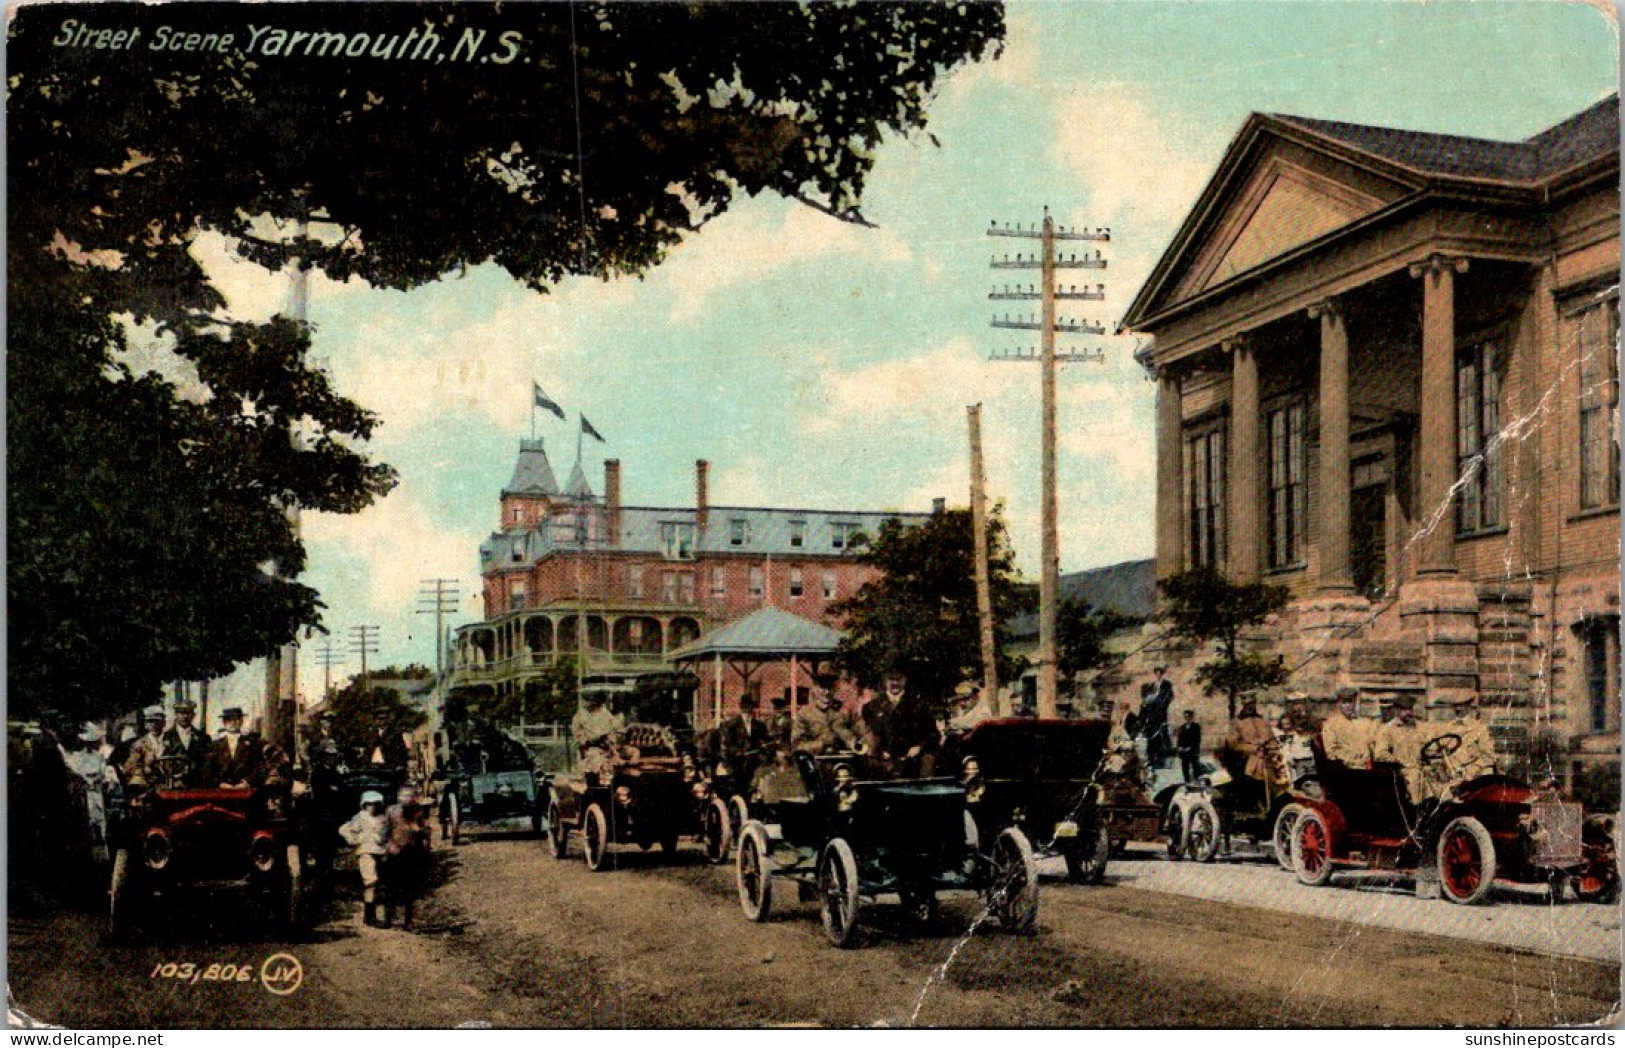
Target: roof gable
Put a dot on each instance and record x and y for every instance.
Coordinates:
(1280, 207)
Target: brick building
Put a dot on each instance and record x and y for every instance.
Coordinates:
(1388, 379)
(620, 586)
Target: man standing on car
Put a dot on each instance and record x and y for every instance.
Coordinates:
(1188, 740)
(1154, 709)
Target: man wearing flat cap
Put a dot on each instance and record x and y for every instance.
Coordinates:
(185, 741)
(141, 766)
(1475, 754)
(1400, 742)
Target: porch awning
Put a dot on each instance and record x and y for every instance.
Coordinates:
(764, 634)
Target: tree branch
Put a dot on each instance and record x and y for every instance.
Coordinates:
(852, 215)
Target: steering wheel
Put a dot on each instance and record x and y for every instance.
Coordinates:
(1438, 748)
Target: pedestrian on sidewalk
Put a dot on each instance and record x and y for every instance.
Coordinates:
(1189, 742)
(367, 832)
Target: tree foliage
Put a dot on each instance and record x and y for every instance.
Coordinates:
(1081, 633)
(148, 506)
(919, 613)
(1202, 606)
(363, 713)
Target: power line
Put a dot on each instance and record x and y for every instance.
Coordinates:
(438, 597)
(363, 642)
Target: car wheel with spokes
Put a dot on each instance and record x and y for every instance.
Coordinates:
(595, 837)
(1466, 861)
(753, 870)
(558, 835)
(1200, 832)
(1013, 895)
(838, 898)
(1312, 849)
(120, 897)
(717, 831)
(1282, 836)
(1086, 857)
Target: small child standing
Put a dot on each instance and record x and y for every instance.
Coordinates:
(407, 856)
(368, 832)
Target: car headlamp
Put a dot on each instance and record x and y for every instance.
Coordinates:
(623, 795)
(262, 850)
(156, 849)
(701, 791)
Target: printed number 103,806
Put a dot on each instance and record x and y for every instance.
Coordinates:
(189, 972)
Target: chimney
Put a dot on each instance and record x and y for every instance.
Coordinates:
(939, 506)
(702, 492)
(612, 500)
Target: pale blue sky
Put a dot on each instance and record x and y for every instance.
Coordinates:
(821, 364)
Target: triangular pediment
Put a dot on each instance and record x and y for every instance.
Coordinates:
(1281, 207)
(1279, 189)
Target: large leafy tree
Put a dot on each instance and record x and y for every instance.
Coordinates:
(148, 531)
(363, 712)
(1081, 633)
(1202, 606)
(918, 614)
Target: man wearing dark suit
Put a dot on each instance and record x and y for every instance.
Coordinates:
(1188, 741)
(236, 760)
(743, 738)
(183, 739)
(1154, 718)
(903, 729)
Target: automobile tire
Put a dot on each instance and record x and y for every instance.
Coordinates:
(738, 814)
(558, 834)
(1281, 837)
(717, 830)
(1466, 861)
(1312, 849)
(120, 897)
(839, 902)
(1086, 864)
(1199, 831)
(454, 820)
(294, 914)
(1173, 828)
(753, 872)
(595, 837)
(1013, 895)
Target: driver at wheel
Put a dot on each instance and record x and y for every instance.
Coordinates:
(1251, 735)
(1474, 755)
(141, 766)
(594, 726)
(825, 727)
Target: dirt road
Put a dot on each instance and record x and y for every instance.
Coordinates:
(513, 937)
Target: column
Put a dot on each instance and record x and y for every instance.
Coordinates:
(1244, 460)
(1437, 555)
(1170, 477)
(1332, 532)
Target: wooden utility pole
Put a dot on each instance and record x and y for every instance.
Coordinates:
(438, 597)
(364, 642)
(1046, 325)
(984, 588)
(328, 658)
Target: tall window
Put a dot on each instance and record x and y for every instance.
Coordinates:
(634, 581)
(1599, 638)
(738, 532)
(829, 584)
(798, 533)
(841, 535)
(1599, 405)
(516, 594)
(757, 582)
(719, 582)
(1288, 506)
(1478, 423)
(795, 582)
(1204, 502)
(668, 587)
(685, 587)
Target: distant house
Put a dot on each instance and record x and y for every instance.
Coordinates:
(1128, 589)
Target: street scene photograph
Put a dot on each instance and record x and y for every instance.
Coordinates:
(634, 515)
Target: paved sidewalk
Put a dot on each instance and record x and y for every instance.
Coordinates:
(1516, 918)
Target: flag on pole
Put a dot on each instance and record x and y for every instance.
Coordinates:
(544, 401)
(586, 427)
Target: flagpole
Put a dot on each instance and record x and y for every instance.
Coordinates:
(580, 428)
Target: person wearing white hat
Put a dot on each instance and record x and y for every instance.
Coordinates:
(89, 763)
(368, 833)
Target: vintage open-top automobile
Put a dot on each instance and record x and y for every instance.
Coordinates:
(841, 833)
(639, 793)
(1229, 803)
(1040, 776)
(491, 784)
(173, 840)
(1488, 829)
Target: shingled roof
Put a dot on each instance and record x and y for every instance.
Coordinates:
(1585, 136)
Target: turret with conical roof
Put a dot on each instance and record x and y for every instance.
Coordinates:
(527, 496)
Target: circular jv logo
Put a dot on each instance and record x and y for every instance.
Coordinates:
(282, 973)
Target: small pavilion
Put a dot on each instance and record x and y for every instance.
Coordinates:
(765, 636)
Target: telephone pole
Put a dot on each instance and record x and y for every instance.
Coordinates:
(328, 657)
(1047, 294)
(364, 642)
(984, 588)
(438, 597)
